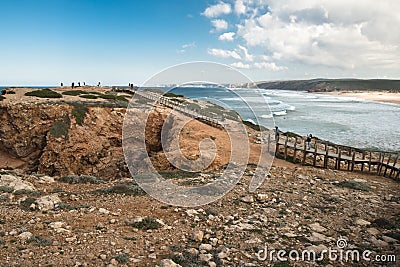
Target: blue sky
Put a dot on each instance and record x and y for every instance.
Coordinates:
(44, 42)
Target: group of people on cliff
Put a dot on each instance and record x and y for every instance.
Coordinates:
(73, 85)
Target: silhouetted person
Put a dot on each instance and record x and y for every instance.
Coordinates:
(73, 85)
(84, 84)
(79, 84)
(98, 84)
(62, 84)
(277, 132)
(309, 137)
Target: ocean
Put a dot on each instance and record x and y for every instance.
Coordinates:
(342, 120)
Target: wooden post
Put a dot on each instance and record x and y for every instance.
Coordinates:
(315, 152)
(269, 141)
(381, 163)
(338, 160)
(387, 165)
(394, 164)
(348, 162)
(352, 161)
(370, 159)
(295, 149)
(326, 156)
(363, 157)
(286, 141)
(304, 153)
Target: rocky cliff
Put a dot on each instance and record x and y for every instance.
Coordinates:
(61, 139)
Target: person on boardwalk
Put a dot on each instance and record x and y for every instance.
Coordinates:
(277, 132)
(309, 137)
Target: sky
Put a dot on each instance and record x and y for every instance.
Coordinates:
(45, 42)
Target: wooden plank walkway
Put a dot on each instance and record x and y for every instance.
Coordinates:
(175, 105)
(296, 149)
(379, 162)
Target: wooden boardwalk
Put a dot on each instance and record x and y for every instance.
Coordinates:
(294, 148)
(175, 105)
(328, 155)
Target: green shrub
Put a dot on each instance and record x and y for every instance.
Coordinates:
(121, 258)
(355, 185)
(169, 94)
(89, 96)
(80, 179)
(37, 240)
(131, 189)
(177, 174)
(73, 92)
(146, 224)
(79, 112)
(6, 189)
(44, 93)
(26, 192)
(60, 128)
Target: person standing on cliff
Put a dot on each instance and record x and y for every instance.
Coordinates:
(98, 84)
(309, 137)
(73, 85)
(277, 132)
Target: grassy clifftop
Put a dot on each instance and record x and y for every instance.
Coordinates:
(327, 85)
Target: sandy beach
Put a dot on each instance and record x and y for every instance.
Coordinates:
(386, 97)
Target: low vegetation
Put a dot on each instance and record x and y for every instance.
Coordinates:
(130, 189)
(44, 93)
(80, 179)
(38, 240)
(79, 113)
(147, 223)
(355, 185)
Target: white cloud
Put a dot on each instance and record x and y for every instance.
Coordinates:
(185, 47)
(343, 34)
(240, 8)
(224, 53)
(219, 24)
(240, 65)
(228, 36)
(246, 54)
(269, 65)
(217, 10)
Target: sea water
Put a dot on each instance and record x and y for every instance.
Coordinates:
(342, 120)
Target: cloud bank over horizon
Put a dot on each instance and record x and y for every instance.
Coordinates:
(354, 37)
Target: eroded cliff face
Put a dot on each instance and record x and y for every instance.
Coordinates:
(61, 139)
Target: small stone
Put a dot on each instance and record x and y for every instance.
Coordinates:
(318, 249)
(373, 231)
(114, 262)
(290, 234)
(378, 243)
(169, 263)
(212, 264)
(198, 236)
(262, 197)
(316, 227)
(247, 199)
(205, 257)
(46, 203)
(152, 256)
(222, 255)
(25, 236)
(103, 257)
(104, 211)
(193, 251)
(206, 247)
(70, 239)
(362, 222)
(389, 239)
(56, 225)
